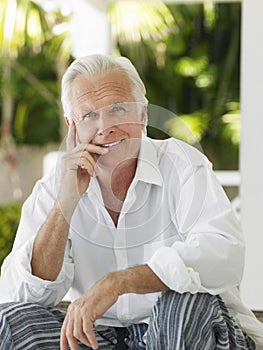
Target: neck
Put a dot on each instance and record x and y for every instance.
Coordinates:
(118, 177)
(114, 186)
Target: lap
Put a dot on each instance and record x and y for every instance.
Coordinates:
(199, 319)
(28, 326)
(202, 321)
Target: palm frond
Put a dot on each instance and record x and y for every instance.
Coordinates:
(133, 21)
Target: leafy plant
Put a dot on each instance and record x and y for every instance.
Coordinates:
(194, 71)
(187, 55)
(35, 48)
(9, 220)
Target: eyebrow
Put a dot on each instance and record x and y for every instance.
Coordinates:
(116, 104)
(110, 105)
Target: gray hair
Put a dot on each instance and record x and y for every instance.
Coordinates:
(93, 65)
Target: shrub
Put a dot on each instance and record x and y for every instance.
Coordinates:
(9, 219)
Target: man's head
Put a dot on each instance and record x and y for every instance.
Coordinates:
(105, 98)
(95, 65)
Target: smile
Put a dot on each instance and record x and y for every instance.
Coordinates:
(108, 145)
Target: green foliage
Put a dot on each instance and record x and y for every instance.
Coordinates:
(35, 49)
(9, 219)
(36, 118)
(22, 24)
(189, 127)
(188, 56)
(194, 72)
(139, 20)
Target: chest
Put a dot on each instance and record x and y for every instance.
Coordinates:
(114, 216)
(113, 202)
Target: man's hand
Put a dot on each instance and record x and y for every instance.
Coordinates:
(78, 165)
(83, 312)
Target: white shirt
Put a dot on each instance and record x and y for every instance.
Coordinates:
(176, 218)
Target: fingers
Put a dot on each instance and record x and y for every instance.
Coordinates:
(66, 338)
(72, 142)
(94, 149)
(84, 157)
(78, 331)
(71, 332)
(82, 150)
(71, 138)
(90, 335)
(83, 331)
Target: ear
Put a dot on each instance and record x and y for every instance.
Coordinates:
(67, 120)
(144, 116)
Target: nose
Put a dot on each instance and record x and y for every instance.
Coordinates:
(105, 125)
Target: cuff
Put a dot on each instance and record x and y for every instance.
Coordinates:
(170, 268)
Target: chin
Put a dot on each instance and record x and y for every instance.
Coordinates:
(113, 160)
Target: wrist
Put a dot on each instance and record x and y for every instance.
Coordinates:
(118, 281)
(66, 206)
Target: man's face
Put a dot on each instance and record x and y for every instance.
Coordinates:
(106, 114)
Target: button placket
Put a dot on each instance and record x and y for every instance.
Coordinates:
(121, 255)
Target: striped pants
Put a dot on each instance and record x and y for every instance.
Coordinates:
(178, 322)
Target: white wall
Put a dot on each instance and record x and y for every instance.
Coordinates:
(251, 156)
(90, 28)
(16, 183)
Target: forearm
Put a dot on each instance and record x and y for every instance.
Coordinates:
(139, 280)
(99, 298)
(49, 245)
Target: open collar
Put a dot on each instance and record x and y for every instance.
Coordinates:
(148, 169)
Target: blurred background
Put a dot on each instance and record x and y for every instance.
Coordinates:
(187, 53)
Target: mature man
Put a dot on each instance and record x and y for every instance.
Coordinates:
(137, 230)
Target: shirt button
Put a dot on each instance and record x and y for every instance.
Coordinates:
(123, 318)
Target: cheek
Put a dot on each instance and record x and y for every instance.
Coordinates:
(135, 130)
(84, 134)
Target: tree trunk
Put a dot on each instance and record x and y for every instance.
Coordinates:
(7, 145)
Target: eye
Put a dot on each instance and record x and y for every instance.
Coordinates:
(89, 115)
(117, 110)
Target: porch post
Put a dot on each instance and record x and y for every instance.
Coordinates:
(90, 28)
(251, 154)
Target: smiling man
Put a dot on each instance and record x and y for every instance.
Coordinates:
(137, 231)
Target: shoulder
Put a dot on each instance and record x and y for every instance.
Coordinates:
(179, 152)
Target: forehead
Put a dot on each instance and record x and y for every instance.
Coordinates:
(100, 91)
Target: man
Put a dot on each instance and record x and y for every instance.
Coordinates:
(138, 231)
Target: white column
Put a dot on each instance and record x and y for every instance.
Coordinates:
(90, 28)
(251, 156)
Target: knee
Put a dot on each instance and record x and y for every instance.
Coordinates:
(176, 318)
(5, 308)
(10, 310)
(173, 306)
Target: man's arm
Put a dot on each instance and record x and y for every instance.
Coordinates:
(139, 280)
(83, 312)
(76, 169)
(49, 246)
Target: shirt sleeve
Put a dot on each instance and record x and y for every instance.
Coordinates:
(17, 282)
(210, 256)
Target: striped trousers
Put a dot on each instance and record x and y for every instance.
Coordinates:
(178, 322)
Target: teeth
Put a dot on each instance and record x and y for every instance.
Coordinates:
(107, 145)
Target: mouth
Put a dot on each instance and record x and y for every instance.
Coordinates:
(112, 144)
